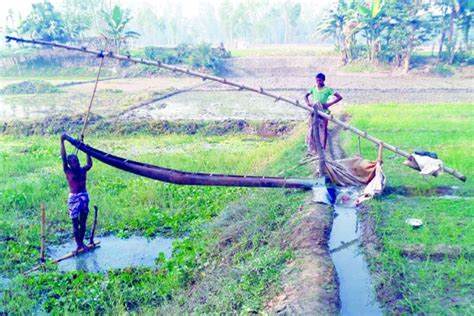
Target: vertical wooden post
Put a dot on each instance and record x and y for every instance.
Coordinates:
(317, 142)
(43, 237)
(96, 210)
(379, 156)
(358, 144)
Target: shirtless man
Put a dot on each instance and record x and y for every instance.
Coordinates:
(78, 201)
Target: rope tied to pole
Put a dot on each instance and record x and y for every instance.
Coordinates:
(86, 118)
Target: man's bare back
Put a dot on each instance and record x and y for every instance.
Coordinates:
(76, 180)
(78, 201)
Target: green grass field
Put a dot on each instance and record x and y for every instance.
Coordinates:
(133, 205)
(427, 286)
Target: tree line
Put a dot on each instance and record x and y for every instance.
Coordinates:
(379, 31)
(389, 31)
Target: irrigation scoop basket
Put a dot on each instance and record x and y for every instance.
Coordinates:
(237, 85)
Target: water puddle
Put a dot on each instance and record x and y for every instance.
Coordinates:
(355, 286)
(4, 282)
(114, 253)
(455, 197)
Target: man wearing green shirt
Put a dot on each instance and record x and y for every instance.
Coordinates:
(320, 95)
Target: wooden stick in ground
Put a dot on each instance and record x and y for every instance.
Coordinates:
(260, 90)
(94, 224)
(317, 141)
(43, 237)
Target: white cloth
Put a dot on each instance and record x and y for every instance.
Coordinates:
(426, 165)
(375, 186)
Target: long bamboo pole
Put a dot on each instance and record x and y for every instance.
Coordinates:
(259, 90)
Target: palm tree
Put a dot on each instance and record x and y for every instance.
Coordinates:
(371, 24)
(341, 25)
(44, 23)
(116, 23)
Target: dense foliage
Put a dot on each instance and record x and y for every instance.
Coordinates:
(379, 31)
(390, 30)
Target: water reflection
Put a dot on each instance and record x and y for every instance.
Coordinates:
(114, 253)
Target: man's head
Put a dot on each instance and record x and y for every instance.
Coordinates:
(320, 78)
(73, 162)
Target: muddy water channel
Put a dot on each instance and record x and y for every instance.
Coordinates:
(114, 253)
(355, 287)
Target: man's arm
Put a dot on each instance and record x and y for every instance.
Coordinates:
(63, 153)
(306, 98)
(337, 99)
(88, 166)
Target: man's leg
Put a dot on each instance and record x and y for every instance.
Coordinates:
(325, 133)
(76, 232)
(309, 137)
(82, 225)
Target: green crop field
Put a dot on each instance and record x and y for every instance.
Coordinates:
(130, 205)
(441, 279)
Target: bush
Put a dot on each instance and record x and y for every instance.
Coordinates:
(442, 70)
(165, 55)
(203, 56)
(30, 87)
(183, 51)
(199, 56)
(462, 57)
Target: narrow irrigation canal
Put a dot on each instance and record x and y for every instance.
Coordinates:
(114, 253)
(355, 287)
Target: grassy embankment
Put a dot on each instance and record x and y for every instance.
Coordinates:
(441, 285)
(129, 204)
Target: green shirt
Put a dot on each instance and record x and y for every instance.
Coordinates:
(322, 95)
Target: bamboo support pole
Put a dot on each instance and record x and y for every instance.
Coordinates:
(358, 146)
(259, 90)
(316, 135)
(379, 156)
(43, 237)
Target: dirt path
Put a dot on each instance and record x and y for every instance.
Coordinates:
(310, 284)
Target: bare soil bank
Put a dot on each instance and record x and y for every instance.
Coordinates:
(310, 283)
